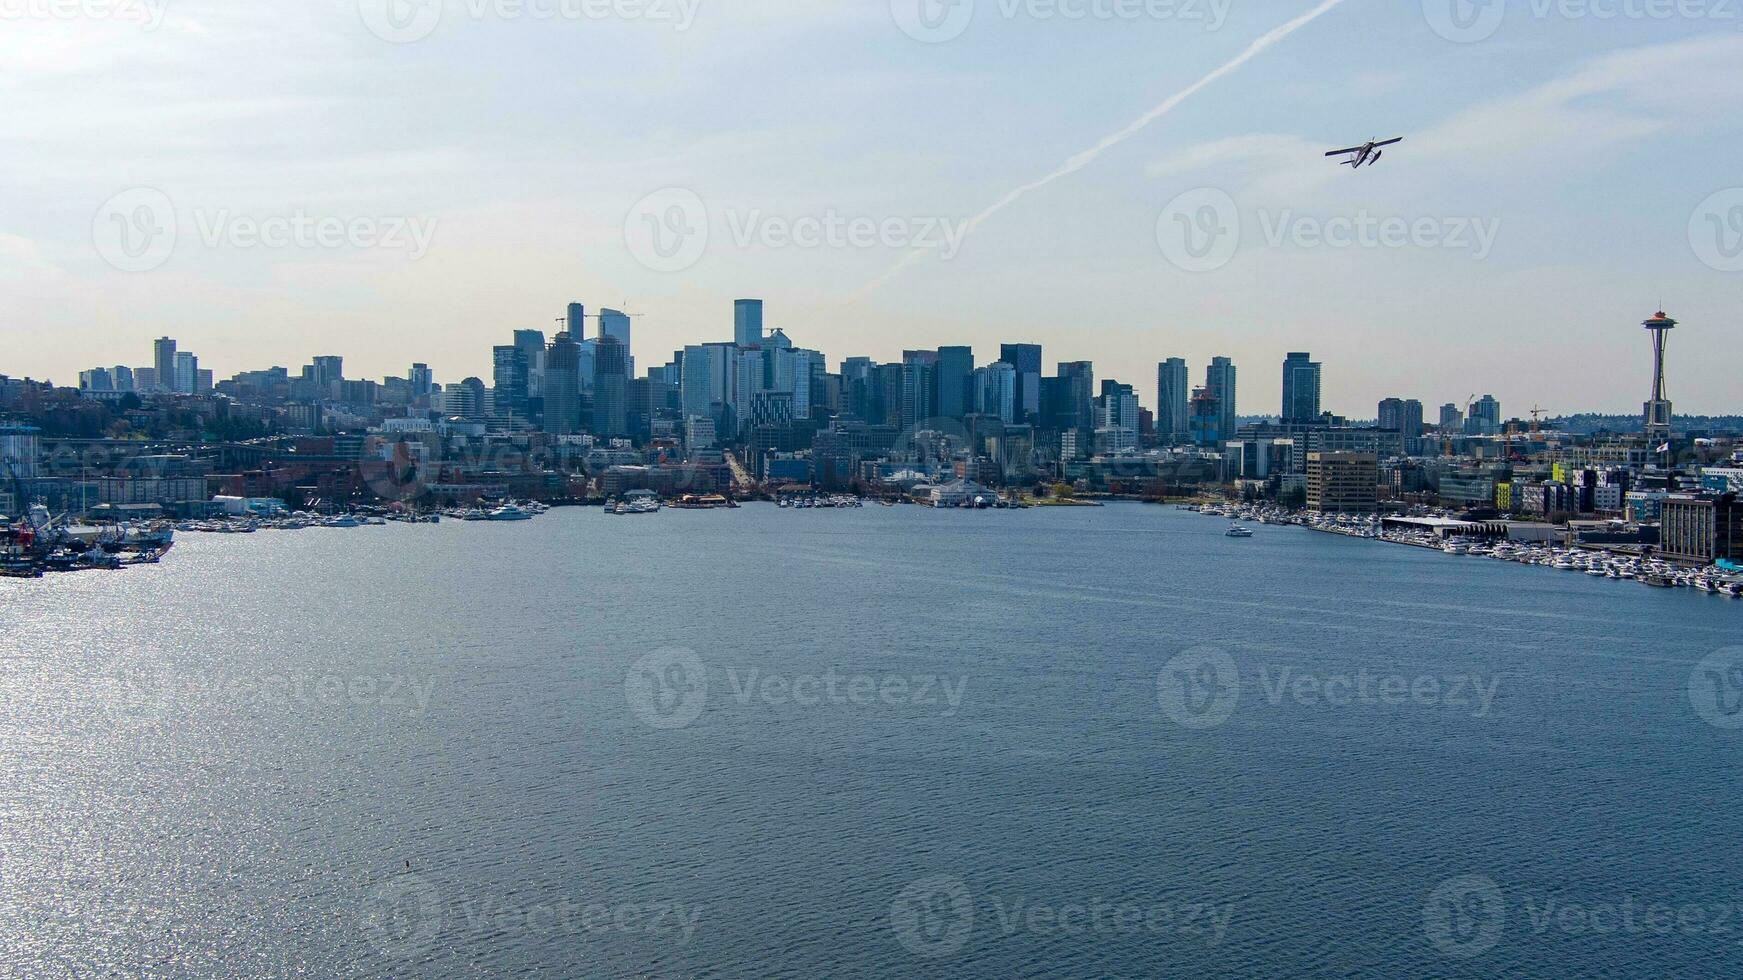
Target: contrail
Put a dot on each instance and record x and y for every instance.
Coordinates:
(1085, 158)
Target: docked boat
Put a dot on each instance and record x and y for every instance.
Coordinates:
(510, 512)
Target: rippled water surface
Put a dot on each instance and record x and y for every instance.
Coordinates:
(882, 742)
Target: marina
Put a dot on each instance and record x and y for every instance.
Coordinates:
(1595, 562)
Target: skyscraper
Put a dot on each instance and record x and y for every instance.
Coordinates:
(919, 386)
(164, 361)
(1026, 359)
(747, 322)
(1484, 417)
(1301, 380)
(1219, 380)
(615, 324)
(509, 375)
(562, 386)
(577, 322)
(1403, 416)
(955, 380)
(611, 389)
(532, 342)
(1173, 424)
(995, 391)
(187, 372)
(420, 379)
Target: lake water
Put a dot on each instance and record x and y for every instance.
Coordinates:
(880, 742)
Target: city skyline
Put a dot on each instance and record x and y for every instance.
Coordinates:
(1546, 114)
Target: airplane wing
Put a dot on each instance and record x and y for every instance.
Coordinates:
(1389, 142)
(1353, 149)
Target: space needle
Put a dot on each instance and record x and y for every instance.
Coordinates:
(1658, 407)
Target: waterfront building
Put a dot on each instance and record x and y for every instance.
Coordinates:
(1342, 482)
(1301, 387)
(1701, 527)
(1173, 396)
(1219, 380)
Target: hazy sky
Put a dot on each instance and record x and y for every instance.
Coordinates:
(442, 180)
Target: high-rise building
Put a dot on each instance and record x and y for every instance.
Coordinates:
(123, 376)
(747, 322)
(1451, 418)
(1173, 394)
(328, 371)
(1657, 410)
(1206, 416)
(420, 379)
(955, 381)
(576, 320)
(1026, 359)
(187, 371)
(96, 379)
(164, 361)
(1403, 416)
(562, 386)
(1484, 418)
(1116, 418)
(1078, 410)
(509, 375)
(611, 389)
(995, 391)
(919, 386)
(1219, 380)
(1301, 382)
(532, 343)
(615, 324)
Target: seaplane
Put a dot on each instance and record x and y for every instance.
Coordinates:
(1368, 153)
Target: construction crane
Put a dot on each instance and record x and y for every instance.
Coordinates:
(1537, 414)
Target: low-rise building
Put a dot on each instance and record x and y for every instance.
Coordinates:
(1343, 482)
